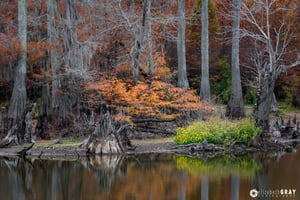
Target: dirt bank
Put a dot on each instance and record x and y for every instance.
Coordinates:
(162, 145)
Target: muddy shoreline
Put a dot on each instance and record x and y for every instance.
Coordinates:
(162, 147)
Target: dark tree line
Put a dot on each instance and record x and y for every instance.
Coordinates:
(78, 34)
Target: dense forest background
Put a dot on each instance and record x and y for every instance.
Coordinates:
(90, 56)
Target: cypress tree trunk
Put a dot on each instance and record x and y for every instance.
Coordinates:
(264, 101)
(235, 107)
(138, 47)
(266, 85)
(135, 62)
(18, 99)
(52, 34)
(149, 38)
(205, 85)
(182, 77)
(72, 59)
(46, 96)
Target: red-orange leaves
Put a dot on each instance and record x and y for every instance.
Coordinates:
(37, 49)
(161, 100)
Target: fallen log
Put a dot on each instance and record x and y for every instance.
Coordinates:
(5, 143)
(198, 147)
(152, 120)
(23, 152)
(151, 130)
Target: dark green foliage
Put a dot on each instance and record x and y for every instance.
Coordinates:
(221, 82)
(250, 95)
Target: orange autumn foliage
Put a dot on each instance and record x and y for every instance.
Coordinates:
(160, 100)
(161, 71)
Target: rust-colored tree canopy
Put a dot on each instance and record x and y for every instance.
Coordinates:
(121, 55)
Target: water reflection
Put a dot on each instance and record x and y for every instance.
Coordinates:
(153, 176)
(204, 188)
(219, 166)
(261, 179)
(235, 187)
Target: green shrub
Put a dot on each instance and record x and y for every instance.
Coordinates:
(218, 131)
(221, 82)
(250, 95)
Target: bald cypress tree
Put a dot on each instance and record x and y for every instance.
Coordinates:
(182, 76)
(235, 108)
(205, 85)
(18, 99)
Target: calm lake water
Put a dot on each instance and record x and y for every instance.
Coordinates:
(152, 176)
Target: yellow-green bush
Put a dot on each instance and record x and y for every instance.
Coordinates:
(218, 131)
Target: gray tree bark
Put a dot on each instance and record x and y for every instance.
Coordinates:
(71, 21)
(138, 47)
(135, 63)
(205, 85)
(181, 52)
(52, 35)
(46, 97)
(264, 101)
(3, 120)
(269, 72)
(149, 38)
(72, 59)
(18, 99)
(28, 125)
(235, 108)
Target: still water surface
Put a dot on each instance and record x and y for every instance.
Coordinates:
(152, 176)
